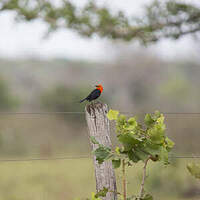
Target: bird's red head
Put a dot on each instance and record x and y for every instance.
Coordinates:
(99, 87)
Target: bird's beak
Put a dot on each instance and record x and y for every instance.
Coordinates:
(96, 86)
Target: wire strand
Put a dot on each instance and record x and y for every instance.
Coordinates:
(79, 157)
(46, 159)
(71, 112)
(39, 113)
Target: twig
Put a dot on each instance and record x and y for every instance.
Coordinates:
(143, 179)
(118, 193)
(124, 179)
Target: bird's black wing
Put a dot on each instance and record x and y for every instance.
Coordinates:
(94, 95)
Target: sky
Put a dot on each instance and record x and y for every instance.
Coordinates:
(19, 40)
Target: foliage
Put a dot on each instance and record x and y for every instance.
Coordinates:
(137, 143)
(101, 193)
(169, 18)
(194, 169)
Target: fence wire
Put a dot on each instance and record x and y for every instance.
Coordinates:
(78, 113)
(81, 157)
(87, 156)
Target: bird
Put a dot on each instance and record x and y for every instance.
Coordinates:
(94, 94)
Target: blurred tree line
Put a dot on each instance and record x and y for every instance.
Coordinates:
(7, 100)
(134, 82)
(161, 19)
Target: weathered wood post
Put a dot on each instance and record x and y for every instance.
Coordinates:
(98, 125)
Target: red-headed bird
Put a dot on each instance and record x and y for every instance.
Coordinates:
(94, 94)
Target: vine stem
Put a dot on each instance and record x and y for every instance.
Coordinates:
(143, 178)
(124, 179)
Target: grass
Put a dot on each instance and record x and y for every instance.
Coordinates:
(71, 179)
(50, 180)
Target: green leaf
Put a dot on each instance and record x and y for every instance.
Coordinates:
(132, 156)
(132, 123)
(160, 120)
(156, 133)
(141, 155)
(163, 156)
(121, 121)
(128, 140)
(102, 193)
(112, 114)
(116, 163)
(148, 120)
(170, 143)
(152, 149)
(147, 197)
(94, 198)
(118, 150)
(102, 153)
(93, 140)
(194, 169)
(157, 114)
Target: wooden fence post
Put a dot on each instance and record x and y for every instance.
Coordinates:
(98, 125)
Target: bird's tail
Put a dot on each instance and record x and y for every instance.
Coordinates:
(83, 100)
